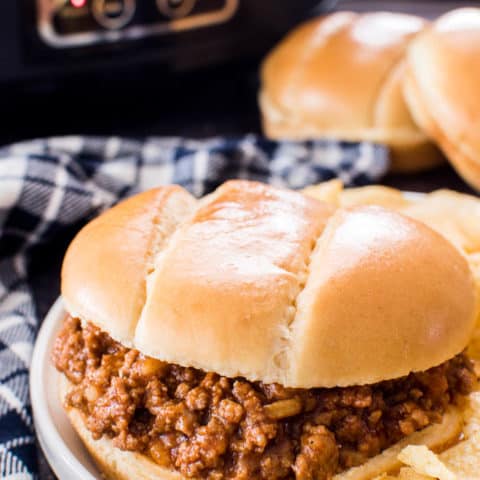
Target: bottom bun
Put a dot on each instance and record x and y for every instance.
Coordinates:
(116, 464)
(414, 156)
(436, 437)
(410, 149)
(463, 161)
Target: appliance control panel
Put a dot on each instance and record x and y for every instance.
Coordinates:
(77, 23)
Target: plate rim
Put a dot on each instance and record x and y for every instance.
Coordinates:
(45, 429)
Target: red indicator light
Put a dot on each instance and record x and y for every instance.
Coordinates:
(78, 3)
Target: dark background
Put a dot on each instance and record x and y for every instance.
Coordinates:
(172, 98)
(185, 100)
(205, 101)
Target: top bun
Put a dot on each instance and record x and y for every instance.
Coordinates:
(341, 75)
(271, 285)
(441, 86)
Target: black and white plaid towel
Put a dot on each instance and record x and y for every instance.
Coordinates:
(48, 185)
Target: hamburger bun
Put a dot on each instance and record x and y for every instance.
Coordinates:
(341, 76)
(441, 88)
(271, 285)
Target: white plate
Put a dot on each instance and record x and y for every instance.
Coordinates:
(61, 445)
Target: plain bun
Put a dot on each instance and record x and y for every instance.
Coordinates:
(441, 88)
(271, 285)
(341, 76)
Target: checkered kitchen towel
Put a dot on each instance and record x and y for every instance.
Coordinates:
(48, 185)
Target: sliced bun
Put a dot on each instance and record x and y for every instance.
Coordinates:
(441, 88)
(271, 285)
(117, 464)
(341, 76)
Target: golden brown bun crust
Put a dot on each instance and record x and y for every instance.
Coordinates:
(441, 88)
(272, 285)
(341, 75)
(381, 301)
(116, 464)
(104, 271)
(226, 287)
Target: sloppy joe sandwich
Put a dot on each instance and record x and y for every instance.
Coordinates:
(260, 333)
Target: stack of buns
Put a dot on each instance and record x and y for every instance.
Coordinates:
(391, 78)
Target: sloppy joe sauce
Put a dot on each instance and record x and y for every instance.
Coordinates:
(208, 426)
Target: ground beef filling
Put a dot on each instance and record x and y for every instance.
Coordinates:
(208, 426)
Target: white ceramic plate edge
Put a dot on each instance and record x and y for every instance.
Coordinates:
(63, 449)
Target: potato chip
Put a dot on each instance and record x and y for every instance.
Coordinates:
(374, 195)
(435, 436)
(425, 462)
(454, 215)
(464, 458)
(408, 473)
(328, 192)
(405, 474)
